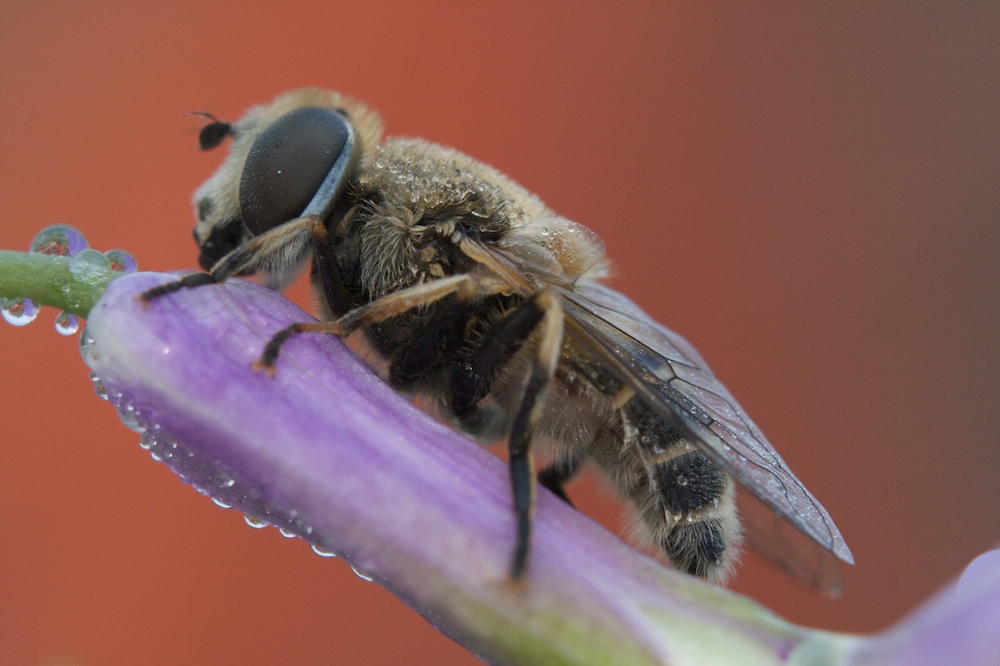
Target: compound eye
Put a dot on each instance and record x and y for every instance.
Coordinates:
(287, 164)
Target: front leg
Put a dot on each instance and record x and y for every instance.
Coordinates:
(271, 252)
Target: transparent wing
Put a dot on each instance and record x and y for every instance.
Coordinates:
(670, 375)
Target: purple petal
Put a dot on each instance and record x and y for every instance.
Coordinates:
(329, 452)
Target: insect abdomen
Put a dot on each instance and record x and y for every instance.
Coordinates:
(690, 510)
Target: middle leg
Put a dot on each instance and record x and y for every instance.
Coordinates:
(541, 313)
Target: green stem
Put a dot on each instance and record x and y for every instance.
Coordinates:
(53, 281)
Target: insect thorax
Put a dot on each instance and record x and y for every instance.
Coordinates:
(410, 185)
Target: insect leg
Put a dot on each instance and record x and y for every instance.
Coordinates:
(543, 313)
(555, 475)
(463, 286)
(186, 282)
(543, 368)
(272, 251)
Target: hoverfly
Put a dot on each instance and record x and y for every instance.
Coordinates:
(473, 292)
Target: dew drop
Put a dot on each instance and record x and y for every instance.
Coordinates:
(322, 552)
(222, 504)
(121, 261)
(18, 311)
(285, 533)
(146, 442)
(361, 574)
(67, 324)
(682, 480)
(224, 480)
(99, 389)
(86, 345)
(115, 397)
(58, 240)
(130, 417)
(90, 266)
(254, 521)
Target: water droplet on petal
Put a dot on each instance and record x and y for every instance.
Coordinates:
(99, 389)
(224, 480)
(59, 240)
(322, 552)
(130, 417)
(285, 533)
(254, 521)
(67, 324)
(18, 311)
(121, 261)
(222, 504)
(86, 345)
(361, 574)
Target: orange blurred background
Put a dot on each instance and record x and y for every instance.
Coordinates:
(810, 194)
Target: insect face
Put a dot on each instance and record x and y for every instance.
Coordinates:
(288, 160)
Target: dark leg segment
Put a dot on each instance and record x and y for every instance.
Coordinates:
(542, 312)
(470, 382)
(555, 475)
(186, 282)
(329, 274)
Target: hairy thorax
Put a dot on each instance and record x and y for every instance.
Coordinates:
(409, 195)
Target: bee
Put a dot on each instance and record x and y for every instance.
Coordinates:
(470, 290)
